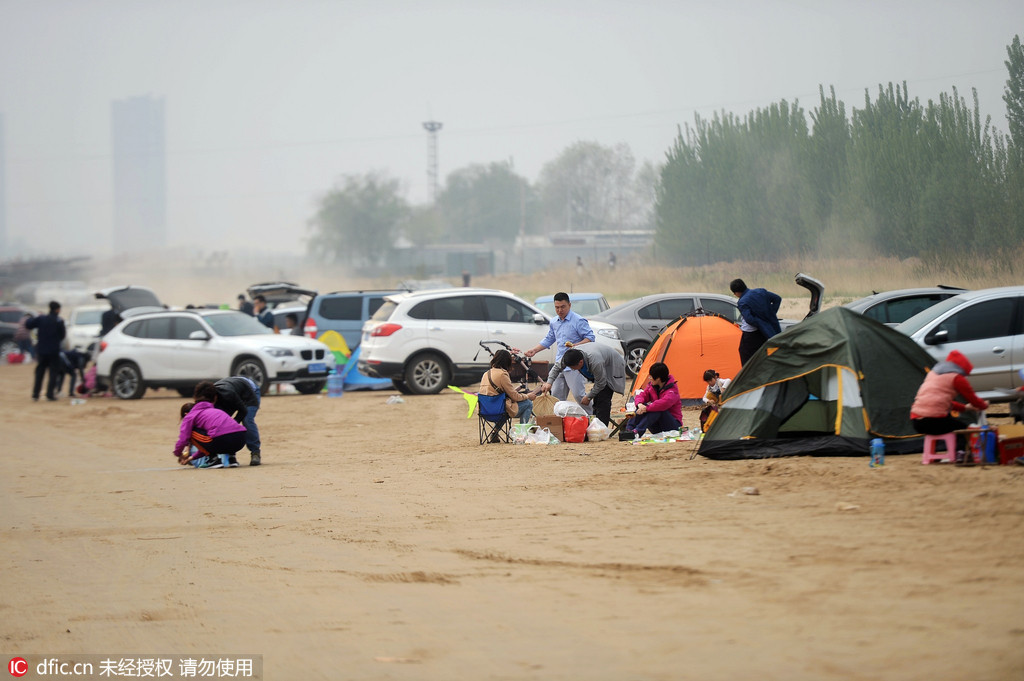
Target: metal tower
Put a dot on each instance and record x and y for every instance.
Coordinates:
(432, 127)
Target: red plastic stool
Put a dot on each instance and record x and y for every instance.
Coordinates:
(930, 454)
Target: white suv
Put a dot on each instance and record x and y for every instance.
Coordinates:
(178, 348)
(425, 340)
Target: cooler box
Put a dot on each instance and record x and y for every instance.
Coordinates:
(1011, 443)
(15, 357)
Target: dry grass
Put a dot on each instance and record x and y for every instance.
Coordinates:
(845, 279)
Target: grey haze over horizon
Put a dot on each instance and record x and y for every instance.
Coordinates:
(269, 102)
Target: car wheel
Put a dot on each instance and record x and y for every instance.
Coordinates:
(7, 347)
(126, 381)
(401, 387)
(186, 392)
(252, 368)
(427, 374)
(635, 357)
(310, 387)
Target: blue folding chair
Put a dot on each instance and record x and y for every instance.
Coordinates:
(493, 420)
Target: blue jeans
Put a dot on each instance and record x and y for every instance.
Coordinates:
(252, 433)
(525, 410)
(654, 421)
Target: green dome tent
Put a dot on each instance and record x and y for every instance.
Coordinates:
(826, 387)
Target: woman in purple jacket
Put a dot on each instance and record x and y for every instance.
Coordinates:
(216, 436)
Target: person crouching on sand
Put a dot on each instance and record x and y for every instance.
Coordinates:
(216, 436)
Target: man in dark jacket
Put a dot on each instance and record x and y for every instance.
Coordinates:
(759, 311)
(240, 397)
(50, 332)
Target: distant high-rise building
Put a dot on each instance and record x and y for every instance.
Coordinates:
(3, 194)
(140, 172)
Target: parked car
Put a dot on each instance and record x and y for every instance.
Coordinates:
(425, 340)
(10, 315)
(640, 320)
(178, 348)
(987, 326)
(344, 312)
(83, 326)
(895, 307)
(583, 304)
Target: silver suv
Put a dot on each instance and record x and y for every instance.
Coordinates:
(426, 340)
(987, 326)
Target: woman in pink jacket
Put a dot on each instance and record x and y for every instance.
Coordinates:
(658, 407)
(216, 436)
(931, 412)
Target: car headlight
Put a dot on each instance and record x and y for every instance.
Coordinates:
(278, 352)
(612, 333)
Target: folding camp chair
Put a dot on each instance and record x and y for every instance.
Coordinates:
(493, 420)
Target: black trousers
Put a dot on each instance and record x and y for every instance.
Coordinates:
(54, 363)
(750, 342)
(603, 405)
(936, 425)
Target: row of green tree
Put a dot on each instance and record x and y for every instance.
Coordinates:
(896, 177)
(587, 187)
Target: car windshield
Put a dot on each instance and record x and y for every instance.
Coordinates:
(924, 317)
(236, 324)
(88, 316)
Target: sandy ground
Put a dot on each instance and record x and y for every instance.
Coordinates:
(382, 542)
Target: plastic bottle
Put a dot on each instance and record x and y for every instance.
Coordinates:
(877, 452)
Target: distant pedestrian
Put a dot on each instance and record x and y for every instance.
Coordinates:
(291, 322)
(579, 266)
(23, 337)
(50, 332)
(759, 319)
(612, 261)
(466, 278)
(260, 311)
(108, 320)
(244, 305)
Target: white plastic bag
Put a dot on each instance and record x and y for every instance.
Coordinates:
(540, 436)
(597, 430)
(569, 408)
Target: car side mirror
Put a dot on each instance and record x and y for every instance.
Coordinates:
(199, 334)
(540, 319)
(937, 337)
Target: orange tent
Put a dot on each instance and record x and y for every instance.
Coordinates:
(689, 346)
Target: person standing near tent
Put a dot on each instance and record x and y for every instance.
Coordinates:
(565, 331)
(658, 407)
(931, 412)
(600, 364)
(759, 319)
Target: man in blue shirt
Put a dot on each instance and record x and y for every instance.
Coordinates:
(759, 319)
(566, 330)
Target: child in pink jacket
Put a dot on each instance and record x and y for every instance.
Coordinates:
(216, 436)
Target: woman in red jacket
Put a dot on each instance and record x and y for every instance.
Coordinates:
(931, 412)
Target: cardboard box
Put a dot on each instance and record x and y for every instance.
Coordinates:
(552, 423)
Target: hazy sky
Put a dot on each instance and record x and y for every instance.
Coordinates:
(269, 102)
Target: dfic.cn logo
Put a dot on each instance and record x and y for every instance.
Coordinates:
(17, 666)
